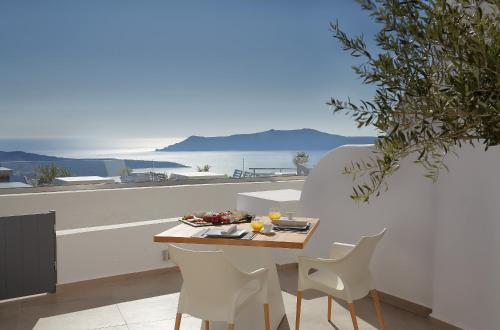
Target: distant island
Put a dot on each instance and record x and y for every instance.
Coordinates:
(23, 163)
(300, 139)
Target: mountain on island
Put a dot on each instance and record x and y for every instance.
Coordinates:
(21, 156)
(23, 164)
(300, 139)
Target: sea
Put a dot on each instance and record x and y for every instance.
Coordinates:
(223, 162)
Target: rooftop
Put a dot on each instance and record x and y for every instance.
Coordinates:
(5, 172)
(92, 179)
(7, 185)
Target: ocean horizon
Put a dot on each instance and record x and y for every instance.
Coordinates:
(224, 162)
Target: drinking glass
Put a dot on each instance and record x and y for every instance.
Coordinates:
(274, 214)
(257, 224)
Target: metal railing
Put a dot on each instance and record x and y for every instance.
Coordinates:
(280, 169)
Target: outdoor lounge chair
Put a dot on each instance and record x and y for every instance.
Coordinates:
(213, 289)
(248, 174)
(345, 275)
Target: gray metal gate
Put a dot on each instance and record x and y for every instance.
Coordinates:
(27, 255)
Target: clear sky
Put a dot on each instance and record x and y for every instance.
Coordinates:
(147, 69)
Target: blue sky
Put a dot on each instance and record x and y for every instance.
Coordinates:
(149, 69)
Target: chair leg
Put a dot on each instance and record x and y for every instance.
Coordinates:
(378, 309)
(230, 326)
(297, 314)
(178, 318)
(207, 325)
(353, 316)
(330, 300)
(266, 317)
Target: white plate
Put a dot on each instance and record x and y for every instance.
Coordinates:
(217, 233)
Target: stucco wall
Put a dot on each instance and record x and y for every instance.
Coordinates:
(110, 250)
(402, 264)
(467, 248)
(87, 208)
(442, 248)
(110, 232)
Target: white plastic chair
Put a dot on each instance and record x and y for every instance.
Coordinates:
(346, 275)
(213, 289)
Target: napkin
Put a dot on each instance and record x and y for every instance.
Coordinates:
(229, 230)
(290, 223)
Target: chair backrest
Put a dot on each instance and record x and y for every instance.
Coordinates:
(160, 177)
(248, 174)
(237, 174)
(208, 276)
(357, 261)
(30, 181)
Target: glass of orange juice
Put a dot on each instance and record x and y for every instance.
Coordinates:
(274, 214)
(257, 224)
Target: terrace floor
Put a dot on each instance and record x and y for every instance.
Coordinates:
(149, 300)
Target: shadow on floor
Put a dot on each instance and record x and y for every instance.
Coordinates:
(160, 288)
(69, 298)
(395, 318)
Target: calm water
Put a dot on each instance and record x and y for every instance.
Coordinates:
(224, 162)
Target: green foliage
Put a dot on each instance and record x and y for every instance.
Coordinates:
(126, 171)
(45, 175)
(204, 168)
(437, 84)
(301, 158)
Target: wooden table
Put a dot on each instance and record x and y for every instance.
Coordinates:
(248, 255)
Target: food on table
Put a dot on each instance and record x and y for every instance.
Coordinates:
(199, 214)
(217, 218)
(198, 221)
(213, 217)
(239, 215)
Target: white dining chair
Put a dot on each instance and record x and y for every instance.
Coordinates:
(345, 275)
(213, 289)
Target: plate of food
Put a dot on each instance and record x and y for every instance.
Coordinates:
(203, 219)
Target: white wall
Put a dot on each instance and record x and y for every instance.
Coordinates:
(110, 250)
(87, 208)
(442, 248)
(110, 232)
(467, 253)
(402, 263)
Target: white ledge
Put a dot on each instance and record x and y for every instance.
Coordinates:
(111, 227)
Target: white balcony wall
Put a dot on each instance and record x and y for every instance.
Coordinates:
(441, 249)
(442, 246)
(88, 208)
(110, 232)
(96, 252)
(402, 264)
(467, 249)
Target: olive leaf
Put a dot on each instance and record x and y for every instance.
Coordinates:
(437, 85)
